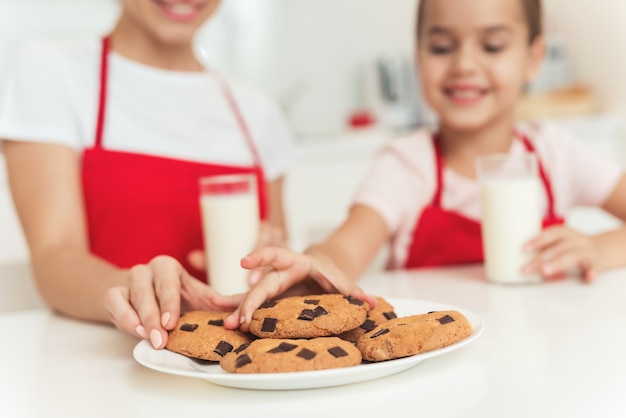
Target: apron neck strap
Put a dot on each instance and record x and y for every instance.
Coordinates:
(102, 97)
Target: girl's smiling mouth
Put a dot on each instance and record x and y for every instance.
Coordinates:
(464, 94)
(182, 10)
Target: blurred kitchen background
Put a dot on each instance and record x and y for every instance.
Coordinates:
(343, 72)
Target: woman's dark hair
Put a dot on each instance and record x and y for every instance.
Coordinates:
(532, 13)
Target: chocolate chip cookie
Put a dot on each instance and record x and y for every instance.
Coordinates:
(383, 311)
(271, 355)
(406, 336)
(201, 335)
(308, 316)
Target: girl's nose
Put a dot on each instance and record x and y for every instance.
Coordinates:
(465, 60)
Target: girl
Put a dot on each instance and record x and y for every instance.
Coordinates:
(475, 57)
(105, 140)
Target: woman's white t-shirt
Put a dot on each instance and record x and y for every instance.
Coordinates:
(401, 181)
(51, 95)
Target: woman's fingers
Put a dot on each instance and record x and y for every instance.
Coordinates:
(143, 299)
(155, 296)
(197, 260)
(121, 313)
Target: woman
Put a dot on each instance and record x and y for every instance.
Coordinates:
(105, 140)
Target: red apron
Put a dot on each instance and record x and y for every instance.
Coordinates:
(140, 206)
(443, 237)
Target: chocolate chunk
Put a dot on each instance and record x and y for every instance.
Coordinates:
(353, 301)
(445, 319)
(189, 327)
(337, 352)
(311, 314)
(241, 348)
(268, 304)
(368, 325)
(242, 360)
(390, 315)
(283, 348)
(223, 348)
(269, 325)
(433, 312)
(311, 301)
(306, 354)
(381, 332)
(307, 315)
(319, 311)
(216, 322)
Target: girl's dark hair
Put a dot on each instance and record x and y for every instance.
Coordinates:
(532, 13)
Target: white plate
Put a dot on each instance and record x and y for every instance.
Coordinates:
(168, 362)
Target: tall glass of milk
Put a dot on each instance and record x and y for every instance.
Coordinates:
(230, 222)
(511, 214)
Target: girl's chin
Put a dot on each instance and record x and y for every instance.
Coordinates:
(465, 122)
(175, 35)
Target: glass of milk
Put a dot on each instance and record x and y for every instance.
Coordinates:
(230, 222)
(511, 214)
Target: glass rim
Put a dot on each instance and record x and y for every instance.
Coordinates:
(226, 178)
(506, 165)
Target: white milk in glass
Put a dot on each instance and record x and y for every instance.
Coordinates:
(511, 218)
(230, 217)
(511, 214)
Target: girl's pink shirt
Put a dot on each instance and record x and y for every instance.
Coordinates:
(401, 180)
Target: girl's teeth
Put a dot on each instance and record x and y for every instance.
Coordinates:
(181, 9)
(466, 94)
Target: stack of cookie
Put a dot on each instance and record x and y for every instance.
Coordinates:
(303, 333)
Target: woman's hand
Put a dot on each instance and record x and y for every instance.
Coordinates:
(150, 304)
(269, 236)
(559, 250)
(284, 269)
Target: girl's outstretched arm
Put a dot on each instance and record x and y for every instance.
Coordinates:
(332, 266)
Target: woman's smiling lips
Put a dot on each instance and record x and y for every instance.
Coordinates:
(464, 94)
(181, 10)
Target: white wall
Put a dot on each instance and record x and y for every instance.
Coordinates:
(21, 19)
(595, 34)
(312, 55)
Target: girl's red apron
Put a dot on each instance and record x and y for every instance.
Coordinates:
(140, 206)
(443, 237)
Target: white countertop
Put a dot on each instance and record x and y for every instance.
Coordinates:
(551, 350)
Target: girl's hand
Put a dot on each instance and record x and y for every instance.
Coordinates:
(151, 302)
(269, 236)
(283, 270)
(560, 249)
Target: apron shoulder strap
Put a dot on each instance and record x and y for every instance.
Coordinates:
(102, 97)
(542, 173)
(241, 121)
(438, 171)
